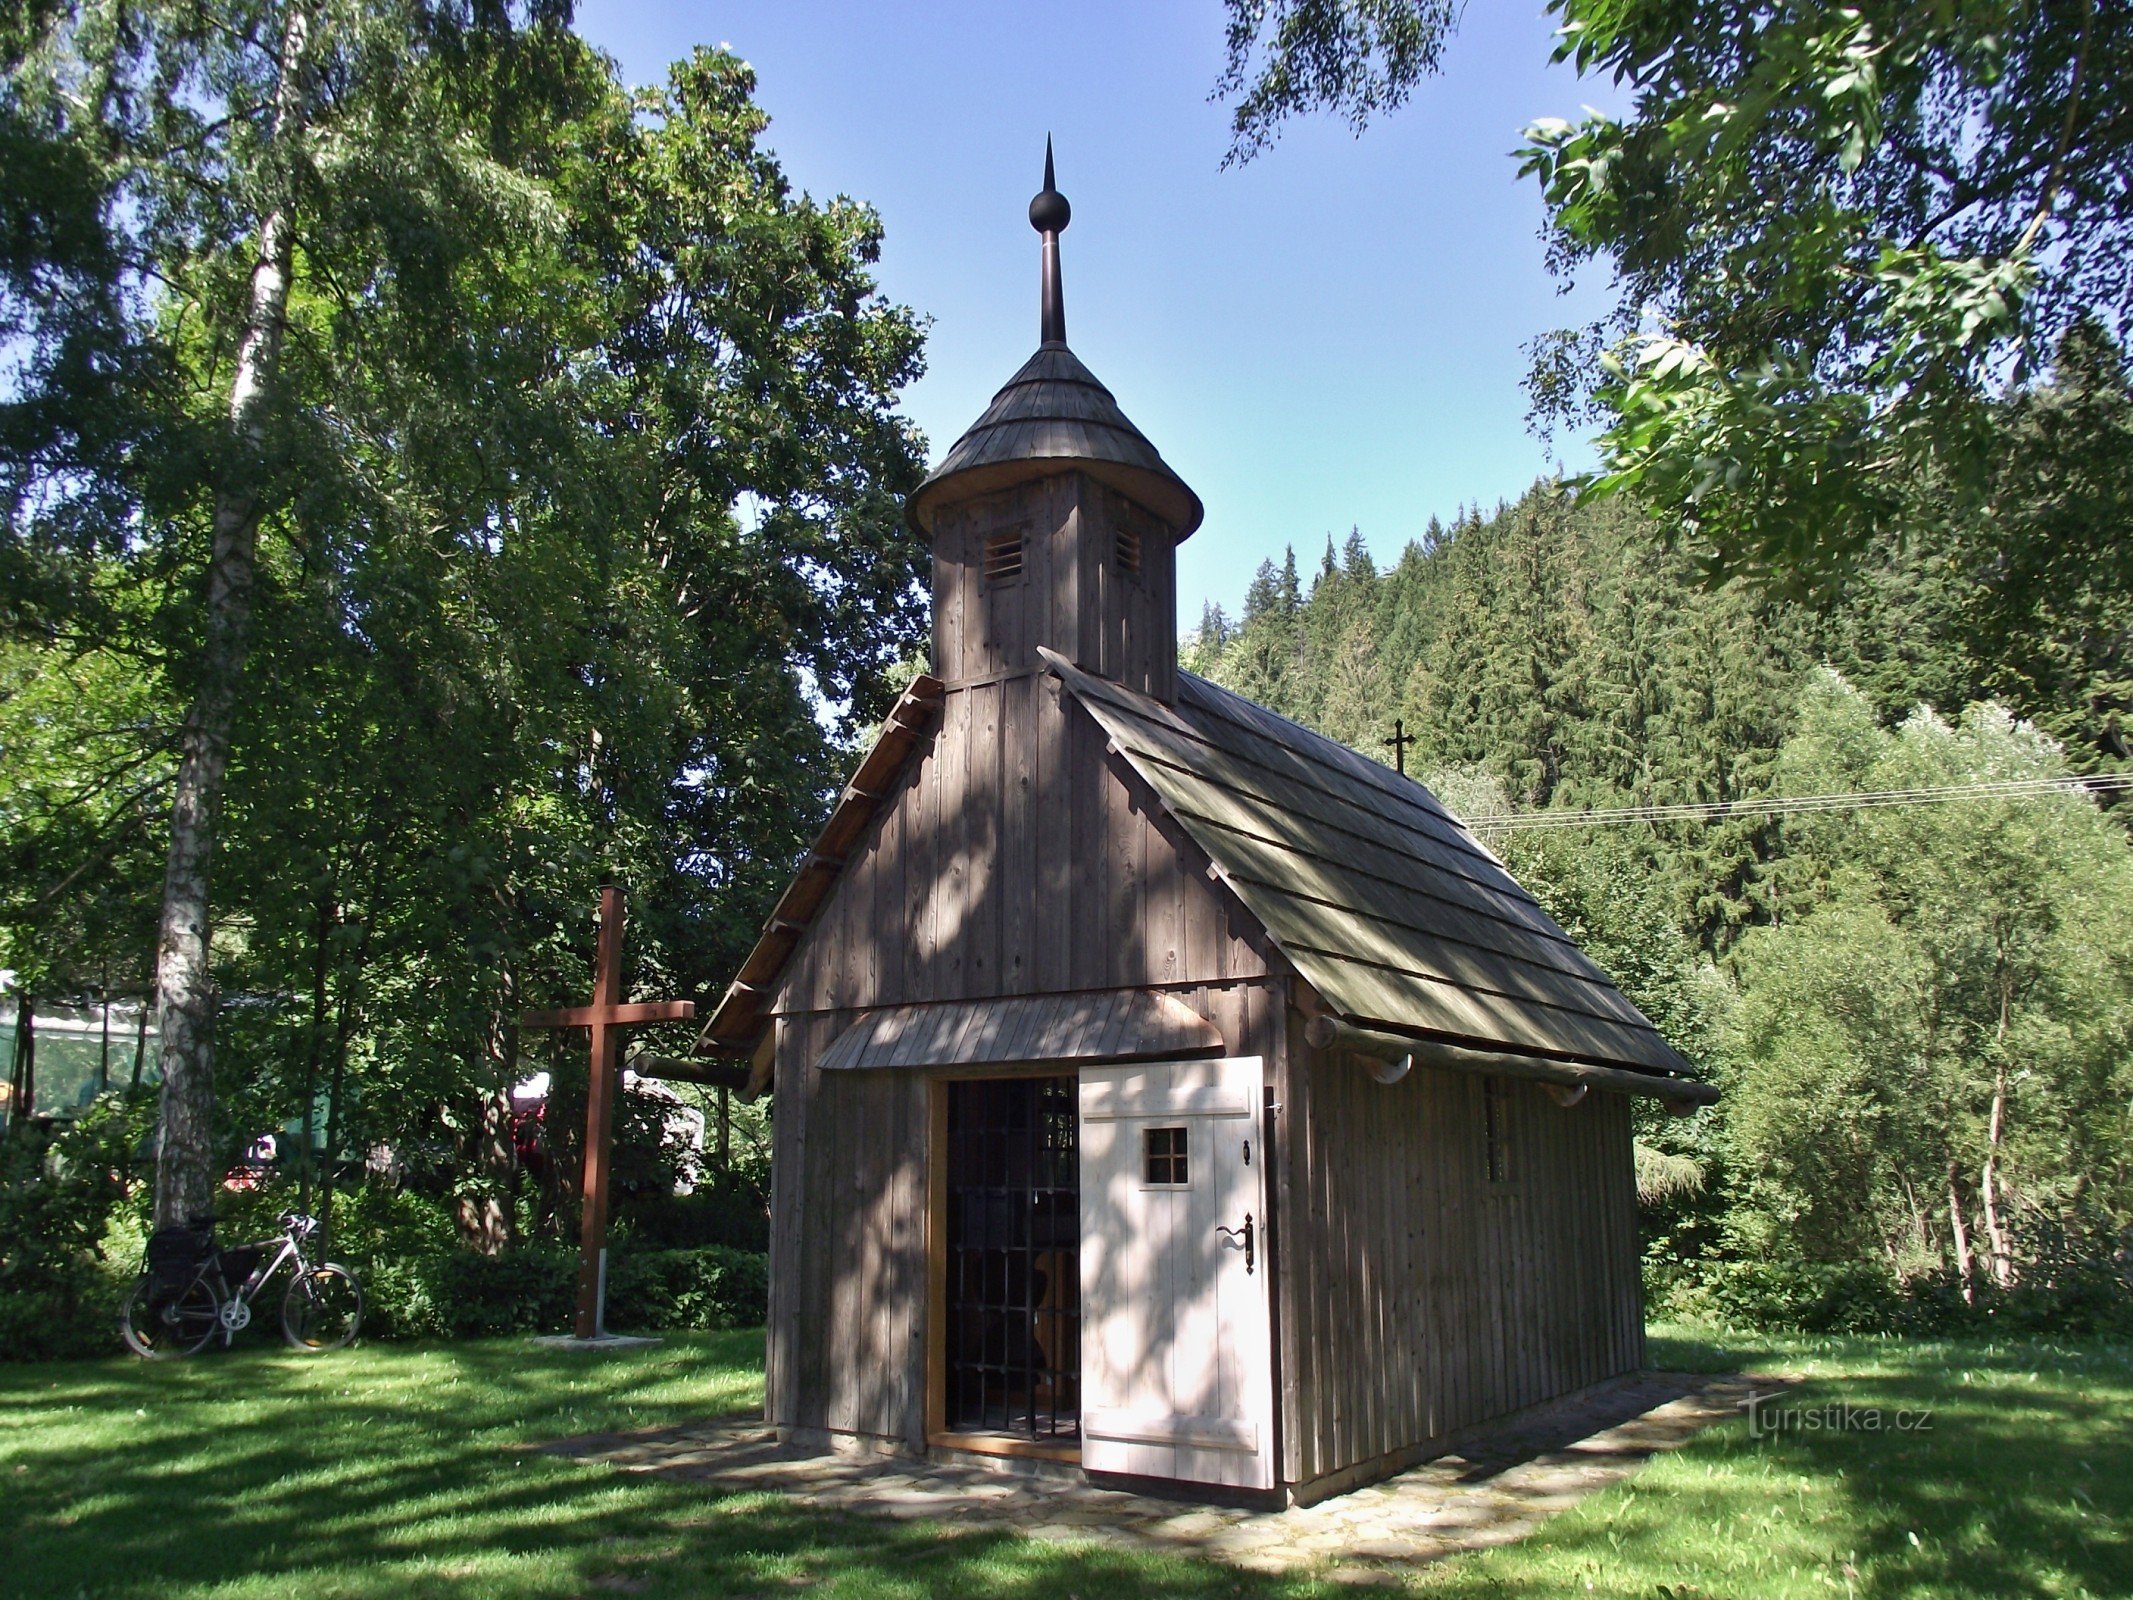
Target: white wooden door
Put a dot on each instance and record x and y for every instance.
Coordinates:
(1175, 1376)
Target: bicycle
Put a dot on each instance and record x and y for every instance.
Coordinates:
(183, 1297)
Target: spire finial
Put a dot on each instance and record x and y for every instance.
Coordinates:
(1049, 214)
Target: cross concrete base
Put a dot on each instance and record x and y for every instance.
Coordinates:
(601, 1341)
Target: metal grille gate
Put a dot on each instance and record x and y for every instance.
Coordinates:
(1014, 1258)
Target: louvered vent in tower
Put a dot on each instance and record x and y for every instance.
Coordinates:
(1129, 551)
(1003, 557)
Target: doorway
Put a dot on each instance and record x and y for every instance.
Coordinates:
(1011, 1289)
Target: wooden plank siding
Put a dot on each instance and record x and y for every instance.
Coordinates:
(1418, 1298)
(956, 873)
(1069, 591)
(1067, 823)
(1013, 856)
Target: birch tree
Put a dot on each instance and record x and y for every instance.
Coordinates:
(235, 142)
(515, 476)
(185, 995)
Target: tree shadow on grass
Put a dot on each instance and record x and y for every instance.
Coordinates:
(408, 1471)
(1999, 1471)
(412, 1472)
(1999, 1477)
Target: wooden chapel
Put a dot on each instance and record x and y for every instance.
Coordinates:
(1159, 1087)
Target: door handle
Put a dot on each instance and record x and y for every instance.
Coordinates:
(1244, 1233)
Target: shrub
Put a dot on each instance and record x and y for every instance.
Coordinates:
(715, 1286)
(59, 1196)
(532, 1289)
(1791, 1296)
(2080, 1300)
(729, 1208)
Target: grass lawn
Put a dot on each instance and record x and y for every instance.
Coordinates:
(400, 1470)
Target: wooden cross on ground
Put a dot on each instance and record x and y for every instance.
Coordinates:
(607, 1016)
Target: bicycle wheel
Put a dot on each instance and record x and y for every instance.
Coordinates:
(158, 1325)
(322, 1309)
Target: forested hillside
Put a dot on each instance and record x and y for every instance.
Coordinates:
(1918, 1012)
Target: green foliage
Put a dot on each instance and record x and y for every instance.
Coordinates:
(2046, 614)
(1837, 236)
(1918, 1013)
(84, 773)
(1354, 57)
(1847, 1297)
(1551, 653)
(59, 1197)
(729, 1208)
(1833, 231)
(1802, 1297)
(1933, 1062)
(700, 1290)
(578, 501)
(456, 1294)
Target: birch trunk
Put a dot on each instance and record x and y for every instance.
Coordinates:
(1989, 1186)
(185, 995)
(1965, 1267)
(1995, 1225)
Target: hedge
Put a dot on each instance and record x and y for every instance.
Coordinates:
(533, 1289)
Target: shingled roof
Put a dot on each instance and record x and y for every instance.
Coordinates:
(1380, 898)
(1049, 416)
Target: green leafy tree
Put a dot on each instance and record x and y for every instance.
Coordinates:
(1836, 234)
(572, 498)
(1356, 58)
(1260, 659)
(238, 152)
(1933, 1060)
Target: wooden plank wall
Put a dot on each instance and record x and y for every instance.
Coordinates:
(848, 1235)
(1419, 1298)
(1072, 594)
(1018, 857)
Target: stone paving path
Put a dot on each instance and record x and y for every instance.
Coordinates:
(1494, 1491)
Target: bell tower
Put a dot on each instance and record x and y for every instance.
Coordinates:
(1054, 521)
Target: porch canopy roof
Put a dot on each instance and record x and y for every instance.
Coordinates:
(1113, 1025)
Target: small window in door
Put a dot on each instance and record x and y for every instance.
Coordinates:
(1163, 1158)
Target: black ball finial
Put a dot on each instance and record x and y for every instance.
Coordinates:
(1049, 212)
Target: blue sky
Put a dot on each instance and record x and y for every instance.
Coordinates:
(1328, 337)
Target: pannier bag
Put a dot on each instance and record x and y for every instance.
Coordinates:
(175, 1255)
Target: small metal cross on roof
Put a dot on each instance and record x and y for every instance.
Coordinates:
(1399, 741)
(607, 1016)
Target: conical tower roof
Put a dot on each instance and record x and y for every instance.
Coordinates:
(1054, 416)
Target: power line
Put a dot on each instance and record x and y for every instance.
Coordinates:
(1788, 805)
